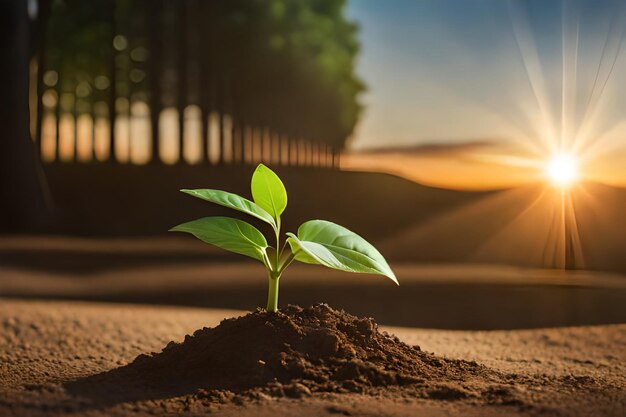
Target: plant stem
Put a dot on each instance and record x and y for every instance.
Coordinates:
(274, 275)
(278, 249)
(272, 294)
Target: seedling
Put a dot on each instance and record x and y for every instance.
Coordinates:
(317, 241)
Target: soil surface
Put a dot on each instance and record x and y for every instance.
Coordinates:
(293, 353)
(92, 359)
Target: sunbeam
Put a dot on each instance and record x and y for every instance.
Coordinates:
(534, 72)
(552, 132)
(579, 124)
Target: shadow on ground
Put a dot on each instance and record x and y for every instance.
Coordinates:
(454, 306)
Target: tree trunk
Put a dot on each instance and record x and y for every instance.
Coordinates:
(23, 205)
(220, 109)
(42, 24)
(182, 77)
(113, 86)
(204, 94)
(155, 77)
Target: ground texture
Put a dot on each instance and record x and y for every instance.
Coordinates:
(67, 358)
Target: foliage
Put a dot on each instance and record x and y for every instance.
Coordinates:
(317, 241)
(283, 64)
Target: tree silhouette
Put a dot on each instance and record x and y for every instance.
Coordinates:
(285, 66)
(21, 189)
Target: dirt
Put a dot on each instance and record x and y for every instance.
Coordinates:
(299, 353)
(79, 359)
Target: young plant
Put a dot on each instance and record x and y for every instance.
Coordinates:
(317, 241)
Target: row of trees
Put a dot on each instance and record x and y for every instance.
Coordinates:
(284, 65)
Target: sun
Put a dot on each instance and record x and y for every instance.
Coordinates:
(563, 170)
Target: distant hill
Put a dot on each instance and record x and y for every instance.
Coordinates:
(409, 222)
(138, 200)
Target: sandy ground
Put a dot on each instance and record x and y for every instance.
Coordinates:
(558, 325)
(45, 344)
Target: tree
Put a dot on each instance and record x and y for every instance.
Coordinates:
(286, 65)
(21, 194)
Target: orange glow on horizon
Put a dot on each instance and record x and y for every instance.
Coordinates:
(487, 171)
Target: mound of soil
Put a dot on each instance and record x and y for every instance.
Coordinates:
(296, 352)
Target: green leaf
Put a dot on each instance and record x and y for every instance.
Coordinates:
(325, 243)
(233, 201)
(268, 191)
(227, 233)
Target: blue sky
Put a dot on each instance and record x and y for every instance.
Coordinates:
(507, 71)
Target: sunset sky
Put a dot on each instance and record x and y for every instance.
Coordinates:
(481, 94)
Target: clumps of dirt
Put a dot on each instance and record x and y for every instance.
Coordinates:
(296, 353)
(322, 348)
